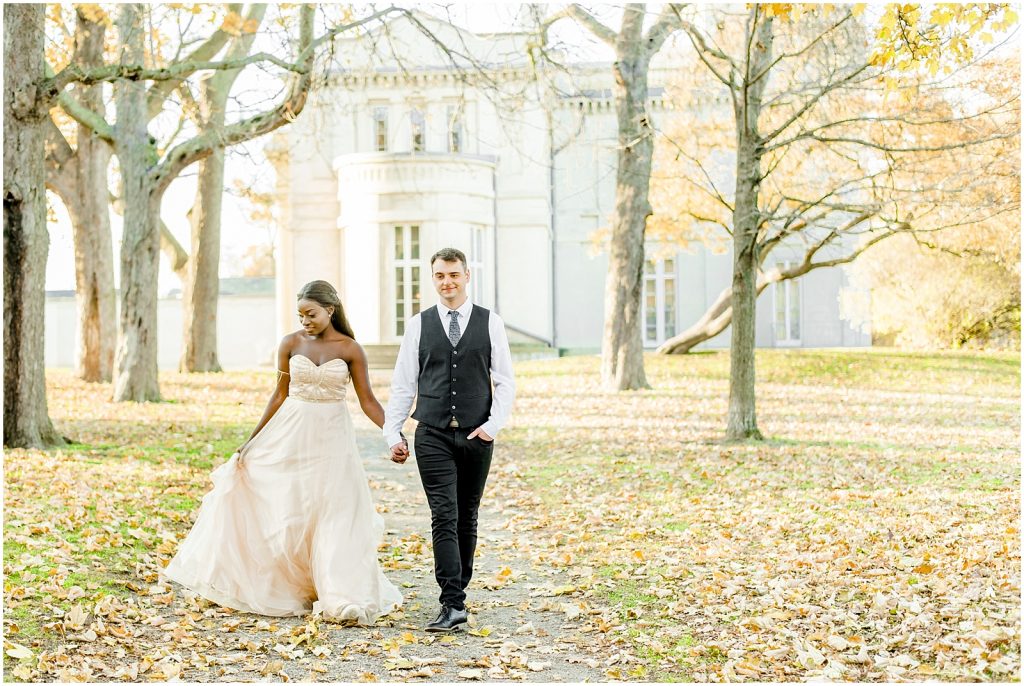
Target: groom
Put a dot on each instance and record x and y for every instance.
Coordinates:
(451, 357)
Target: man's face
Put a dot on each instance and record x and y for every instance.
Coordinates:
(450, 279)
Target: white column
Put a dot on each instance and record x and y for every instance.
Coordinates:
(364, 280)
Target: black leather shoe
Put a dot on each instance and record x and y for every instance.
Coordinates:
(448, 619)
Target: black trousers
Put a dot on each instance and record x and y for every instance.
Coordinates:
(453, 471)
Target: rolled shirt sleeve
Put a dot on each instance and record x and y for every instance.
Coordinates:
(403, 383)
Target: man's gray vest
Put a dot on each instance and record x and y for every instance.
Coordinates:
(454, 381)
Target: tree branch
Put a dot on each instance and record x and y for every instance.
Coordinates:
(668, 21)
(209, 48)
(239, 47)
(53, 86)
(812, 101)
(87, 117)
(170, 246)
(995, 109)
(786, 55)
(846, 259)
(58, 150)
(584, 18)
(921, 148)
(59, 174)
(698, 37)
(201, 146)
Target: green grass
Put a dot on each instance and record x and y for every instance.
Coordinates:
(863, 448)
(195, 453)
(627, 595)
(859, 442)
(178, 503)
(859, 368)
(677, 526)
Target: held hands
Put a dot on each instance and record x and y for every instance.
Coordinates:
(481, 434)
(400, 452)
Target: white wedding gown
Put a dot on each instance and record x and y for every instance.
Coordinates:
(290, 527)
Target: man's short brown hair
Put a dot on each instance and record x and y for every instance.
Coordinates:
(449, 255)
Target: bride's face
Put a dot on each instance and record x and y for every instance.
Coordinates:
(314, 317)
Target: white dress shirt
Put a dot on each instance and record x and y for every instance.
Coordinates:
(404, 382)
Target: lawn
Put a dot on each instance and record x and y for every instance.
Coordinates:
(873, 536)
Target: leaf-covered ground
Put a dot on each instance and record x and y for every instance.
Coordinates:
(873, 537)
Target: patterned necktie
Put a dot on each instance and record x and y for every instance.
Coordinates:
(454, 334)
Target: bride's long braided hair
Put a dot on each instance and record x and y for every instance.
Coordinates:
(324, 293)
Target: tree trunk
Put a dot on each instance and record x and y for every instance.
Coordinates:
(622, 362)
(135, 376)
(90, 219)
(713, 322)
(742, 419)
(26, 241)
(202, 284)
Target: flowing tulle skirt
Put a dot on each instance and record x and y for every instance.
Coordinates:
(290, 526)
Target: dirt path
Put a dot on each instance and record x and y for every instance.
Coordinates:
(520, 628)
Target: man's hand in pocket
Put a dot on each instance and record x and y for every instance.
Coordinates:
(481, 434)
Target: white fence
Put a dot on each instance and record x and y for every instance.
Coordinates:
(246, 331)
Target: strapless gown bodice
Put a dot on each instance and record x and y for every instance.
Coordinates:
(315, 383)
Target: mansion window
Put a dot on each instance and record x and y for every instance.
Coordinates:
(659, 300)
(476, 264)
(454, 129)
(418, 130)
(787, 308)
(380, 129)
(407, 275)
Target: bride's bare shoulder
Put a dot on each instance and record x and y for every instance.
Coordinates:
(351, 351)
(289, 341)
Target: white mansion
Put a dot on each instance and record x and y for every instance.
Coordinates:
(393, 161)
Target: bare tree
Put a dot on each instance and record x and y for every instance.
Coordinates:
(825, 165)
(145, 178)
(26, 241)
(30, 90)
(622, 366)
(79, 176)
(202, 282)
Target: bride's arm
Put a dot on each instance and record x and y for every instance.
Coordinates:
(280, 391)
(368, 402)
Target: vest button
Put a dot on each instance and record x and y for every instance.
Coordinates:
(455, 352)
(453, 392)
(453, 407)
(455, 365)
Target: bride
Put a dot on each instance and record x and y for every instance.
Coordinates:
(289, 527)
